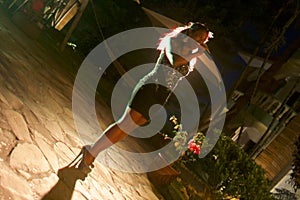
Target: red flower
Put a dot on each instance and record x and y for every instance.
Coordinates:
(193, 147)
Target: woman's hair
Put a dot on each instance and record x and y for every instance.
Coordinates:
(196, 26)
(190, 28)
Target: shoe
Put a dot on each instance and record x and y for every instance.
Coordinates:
(80, 161)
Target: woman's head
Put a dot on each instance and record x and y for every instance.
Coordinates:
(198, 32)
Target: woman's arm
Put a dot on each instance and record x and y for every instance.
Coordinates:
(183, 49)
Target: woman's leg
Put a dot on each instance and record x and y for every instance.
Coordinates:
(113, 133)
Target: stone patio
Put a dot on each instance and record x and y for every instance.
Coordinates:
(38, 137)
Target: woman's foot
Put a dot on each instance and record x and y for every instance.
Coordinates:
(84, 160)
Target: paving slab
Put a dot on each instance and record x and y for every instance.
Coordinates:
(18, 125)
(7, 143)
(28, 158)
(17, 186)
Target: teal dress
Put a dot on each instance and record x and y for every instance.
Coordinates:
(160, 90)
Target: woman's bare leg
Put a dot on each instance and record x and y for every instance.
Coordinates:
(113, 133)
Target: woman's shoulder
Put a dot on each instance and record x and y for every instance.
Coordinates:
(173, 39)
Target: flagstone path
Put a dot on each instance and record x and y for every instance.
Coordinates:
(37, 132)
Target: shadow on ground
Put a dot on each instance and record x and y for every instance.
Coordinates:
(63, 189)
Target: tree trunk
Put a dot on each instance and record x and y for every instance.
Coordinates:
(268, 79)
(83, 5)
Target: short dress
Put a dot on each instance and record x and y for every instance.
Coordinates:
(146, 95)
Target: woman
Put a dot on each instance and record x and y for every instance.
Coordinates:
(138, 107)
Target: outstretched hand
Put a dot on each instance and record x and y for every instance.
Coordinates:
(70, 174)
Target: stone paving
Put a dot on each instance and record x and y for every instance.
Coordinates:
(37, 133)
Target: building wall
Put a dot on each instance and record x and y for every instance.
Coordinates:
(276, 159)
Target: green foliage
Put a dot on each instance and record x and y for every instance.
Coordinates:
(228, 170)
(295, 175)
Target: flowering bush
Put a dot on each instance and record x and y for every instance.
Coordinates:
(189, 150)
